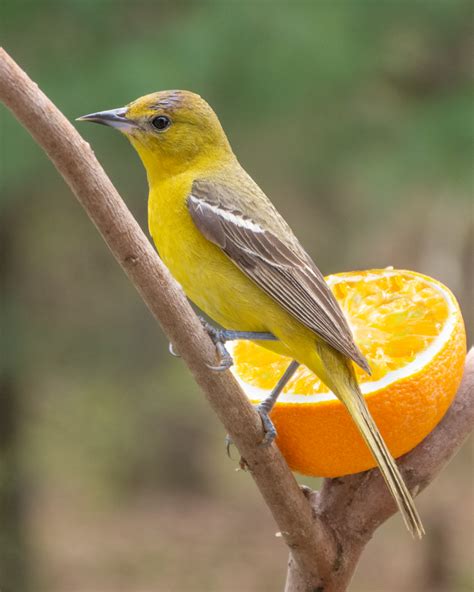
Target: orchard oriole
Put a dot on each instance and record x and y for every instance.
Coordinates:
(238, 260)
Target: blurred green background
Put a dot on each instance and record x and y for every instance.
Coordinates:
(356, 118)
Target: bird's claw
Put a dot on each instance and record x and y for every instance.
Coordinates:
(214, 333)
(225, 359)
(172, 351)
(268, 427)
(218, 338)
(228, 443)
(243, 464)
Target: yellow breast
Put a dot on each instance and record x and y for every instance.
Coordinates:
(206, 274)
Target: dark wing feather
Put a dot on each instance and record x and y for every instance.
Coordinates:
(284, 272)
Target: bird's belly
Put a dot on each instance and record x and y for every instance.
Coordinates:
(209, 278)
(218, 287)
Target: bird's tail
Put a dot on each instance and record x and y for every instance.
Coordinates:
(347, 390)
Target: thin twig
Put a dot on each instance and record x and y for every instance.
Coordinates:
(325, 531)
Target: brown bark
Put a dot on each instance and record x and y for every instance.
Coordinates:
(325, 533)
(351, 508)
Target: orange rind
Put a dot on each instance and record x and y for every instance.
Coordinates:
(410, 328)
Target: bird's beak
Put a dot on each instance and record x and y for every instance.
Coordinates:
(113, 118)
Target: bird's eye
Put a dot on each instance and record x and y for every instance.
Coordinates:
(161, 122)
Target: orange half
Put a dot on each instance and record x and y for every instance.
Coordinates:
(411, 331)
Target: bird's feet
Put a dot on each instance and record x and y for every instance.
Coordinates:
(269, 430)
(220, 337)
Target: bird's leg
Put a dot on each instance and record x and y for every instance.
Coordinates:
(220, 338)
(230, 335)
(265, 407)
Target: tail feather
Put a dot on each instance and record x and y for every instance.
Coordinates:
(395, 483)
(340, 377)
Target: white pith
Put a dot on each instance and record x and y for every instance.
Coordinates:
(257, 394)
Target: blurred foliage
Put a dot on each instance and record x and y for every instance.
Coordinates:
(355, 117)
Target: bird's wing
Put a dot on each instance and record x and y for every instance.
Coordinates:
(281, 269)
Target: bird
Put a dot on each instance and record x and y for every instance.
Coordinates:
(238, 260)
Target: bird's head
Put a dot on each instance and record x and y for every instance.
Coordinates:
(171, 130)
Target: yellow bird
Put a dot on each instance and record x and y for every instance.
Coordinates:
(238, 260)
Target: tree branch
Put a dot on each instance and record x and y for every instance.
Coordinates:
(325, 531)
(351, 508)
(76, 162)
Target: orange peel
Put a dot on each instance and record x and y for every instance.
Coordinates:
(410, 328)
